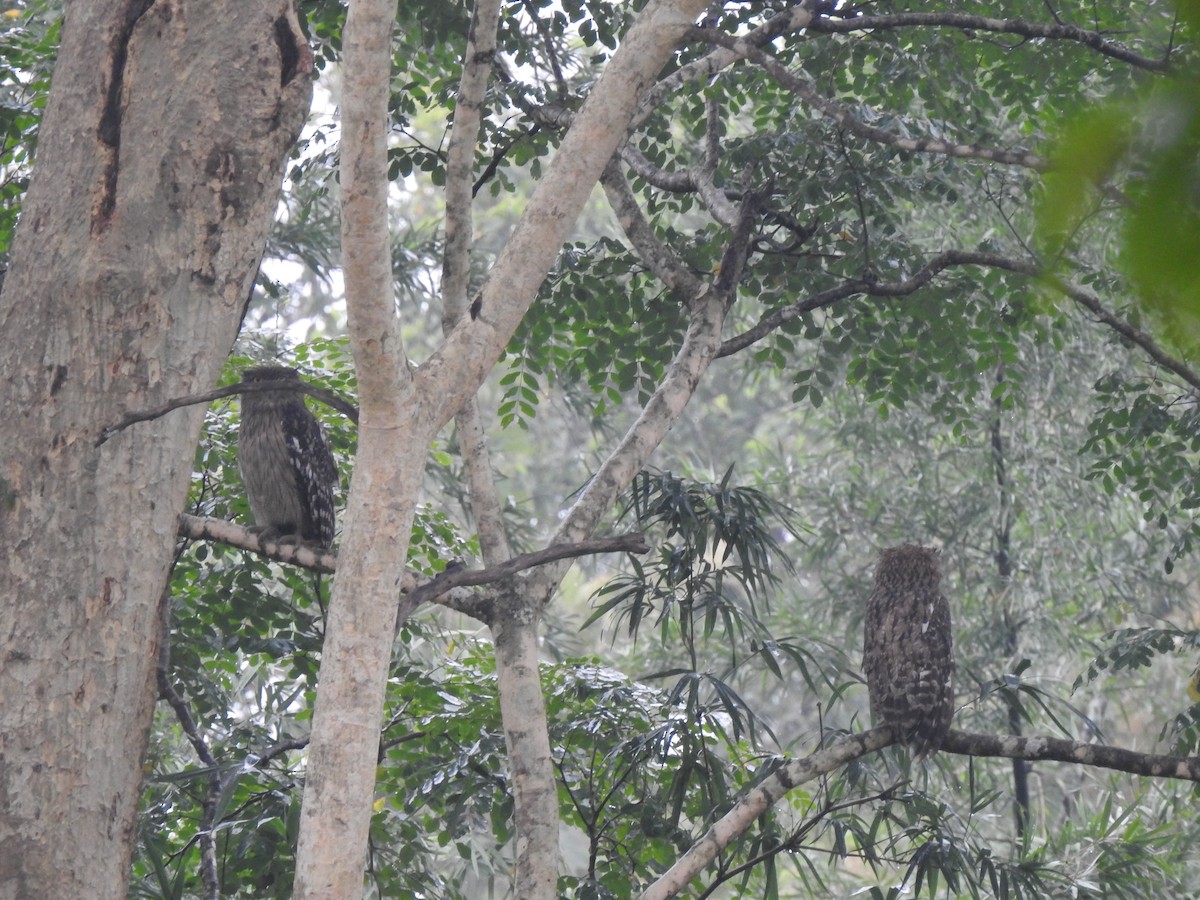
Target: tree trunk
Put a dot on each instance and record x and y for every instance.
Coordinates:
(401, 417)
(157, 173)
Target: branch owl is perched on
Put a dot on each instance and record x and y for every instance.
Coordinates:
(285, 461)
(908, 649)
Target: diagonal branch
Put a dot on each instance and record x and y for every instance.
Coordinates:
(949, 259)
(704, 68)
(757, 800)
(456, 576)
(658, 257)
(842, 115)
(1136, 336)
(599, 127)
(698, 349)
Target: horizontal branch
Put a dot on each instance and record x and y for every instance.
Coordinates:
(308, 557)
(328, 397)
(1094, 40)
(1057, 750)
(207, 528)
(457, 576)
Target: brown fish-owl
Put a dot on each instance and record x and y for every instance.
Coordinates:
(285, 460)
(908, 649)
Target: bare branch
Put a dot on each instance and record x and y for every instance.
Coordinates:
(767, 792)
(325, 561)
(328, 397)
(1092, 304)
(1019, 27)
(306, 556)
(666, 405)
(459, 577)
(793, 773)
(1076, 752)
(842, 115)
(643, 437)
(952, 258)
(699, 180)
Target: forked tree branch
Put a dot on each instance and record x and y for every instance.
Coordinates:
(308, 557)
(795, 772)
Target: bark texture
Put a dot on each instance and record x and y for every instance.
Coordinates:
(342, 753)
(400, 415)
(158, 170)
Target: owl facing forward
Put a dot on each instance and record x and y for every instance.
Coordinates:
(908, 649)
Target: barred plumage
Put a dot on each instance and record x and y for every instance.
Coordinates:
(908, 649)
(285, 461)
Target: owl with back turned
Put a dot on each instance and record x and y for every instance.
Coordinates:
(908, 649)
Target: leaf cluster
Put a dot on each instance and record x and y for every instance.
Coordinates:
(28, 47)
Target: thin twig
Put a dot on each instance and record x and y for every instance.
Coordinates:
(1018, 27)
(328, 397)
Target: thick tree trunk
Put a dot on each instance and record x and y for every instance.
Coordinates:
(158, 170)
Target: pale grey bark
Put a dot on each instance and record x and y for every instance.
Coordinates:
(486, 511)
(158, 169)
(401, 414)
(347, 718)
